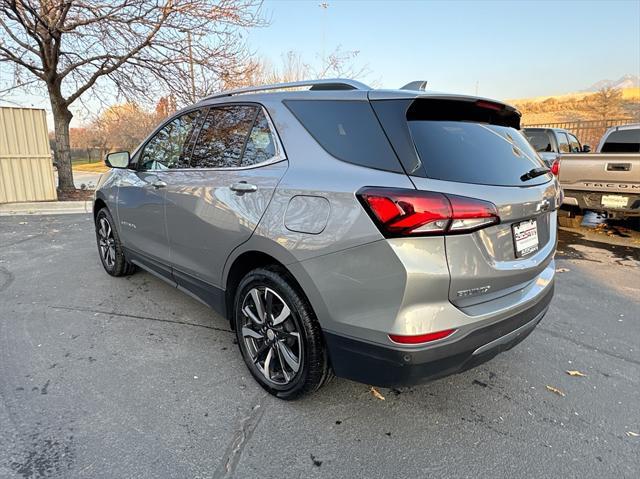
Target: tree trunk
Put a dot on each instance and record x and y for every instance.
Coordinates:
(61, 120)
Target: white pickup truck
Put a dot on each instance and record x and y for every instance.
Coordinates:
(607, 181)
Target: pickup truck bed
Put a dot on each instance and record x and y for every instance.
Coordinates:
(604, 182)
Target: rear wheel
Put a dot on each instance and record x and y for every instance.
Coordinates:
(278, 334)
(109, 246)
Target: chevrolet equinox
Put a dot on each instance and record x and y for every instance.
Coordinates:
(386, 236)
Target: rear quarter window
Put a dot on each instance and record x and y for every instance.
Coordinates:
(347, 130)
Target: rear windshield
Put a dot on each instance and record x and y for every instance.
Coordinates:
(622, 141)
(478, 153)
(348, 130)
(539, 139)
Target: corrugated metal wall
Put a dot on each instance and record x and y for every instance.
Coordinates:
(26, 172)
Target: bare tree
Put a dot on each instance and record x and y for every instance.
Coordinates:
(342, 64)
(292, 67)
(130, 47)
(606, 103)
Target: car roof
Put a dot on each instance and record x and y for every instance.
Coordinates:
(334, 89)
(631, 126)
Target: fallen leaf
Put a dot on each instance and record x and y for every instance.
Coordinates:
(632, 434)
(576, 373)
(562, 270)
(555, 390)
(23, 223)
(377, 394)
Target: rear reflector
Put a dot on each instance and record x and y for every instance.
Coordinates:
(421, 338)
(403, 212)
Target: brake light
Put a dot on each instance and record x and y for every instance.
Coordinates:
(489, 105)
(555, 167)
(402, 212)
(421, 338)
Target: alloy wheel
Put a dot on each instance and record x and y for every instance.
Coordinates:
(271, 336)
(106, 243)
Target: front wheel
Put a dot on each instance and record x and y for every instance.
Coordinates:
(279, 335)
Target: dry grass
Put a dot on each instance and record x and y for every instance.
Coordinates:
(98, 167)
(571, 107)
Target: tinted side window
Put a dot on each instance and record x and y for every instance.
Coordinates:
(223, 136)
(574, 143)
(348, 130)
(563, 143)
(260, 145)
(167, 149)
(622, 141)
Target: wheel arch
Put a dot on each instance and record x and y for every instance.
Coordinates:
(259, 252)
(241, 264)
(98, 204)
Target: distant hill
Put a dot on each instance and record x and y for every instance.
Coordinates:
(625, 81)
(572, 107)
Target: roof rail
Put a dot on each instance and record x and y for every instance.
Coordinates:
(325, 84)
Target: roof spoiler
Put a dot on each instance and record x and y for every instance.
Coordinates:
(418, 85)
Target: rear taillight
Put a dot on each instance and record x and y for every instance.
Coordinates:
(421, 338)
(555, 167)
(401, 212)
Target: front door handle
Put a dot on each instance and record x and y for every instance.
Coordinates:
(243, 187)
(159, 184)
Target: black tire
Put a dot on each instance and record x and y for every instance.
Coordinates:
(313, 363)
(114, 261)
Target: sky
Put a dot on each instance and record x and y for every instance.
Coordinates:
(497, 49)
(508, 49)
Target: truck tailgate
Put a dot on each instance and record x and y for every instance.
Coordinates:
(601, 172)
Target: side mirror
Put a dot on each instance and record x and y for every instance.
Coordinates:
(586, 148)
(119, 159)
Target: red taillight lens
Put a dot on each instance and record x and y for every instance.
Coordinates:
(421, 338)
(489, 105)
(555, 167)
(400, 212)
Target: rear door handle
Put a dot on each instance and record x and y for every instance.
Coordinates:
(159, 184)
(243, 187)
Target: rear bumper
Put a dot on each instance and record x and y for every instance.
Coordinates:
(395, 367)
(591, 200)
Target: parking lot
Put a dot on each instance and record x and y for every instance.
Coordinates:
(128, 377)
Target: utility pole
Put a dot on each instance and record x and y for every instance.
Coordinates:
(193, 79)
(324, 6)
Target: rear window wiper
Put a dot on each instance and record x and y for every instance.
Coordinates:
(531, 174)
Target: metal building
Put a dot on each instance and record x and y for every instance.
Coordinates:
(26, 171)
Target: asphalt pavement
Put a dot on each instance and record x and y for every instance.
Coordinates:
(105, 377)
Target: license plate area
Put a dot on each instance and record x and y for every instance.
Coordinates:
(525, 237)
(614, 201)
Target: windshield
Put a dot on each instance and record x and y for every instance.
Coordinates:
(475, 153)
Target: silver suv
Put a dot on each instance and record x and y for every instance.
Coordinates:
(386, 236)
